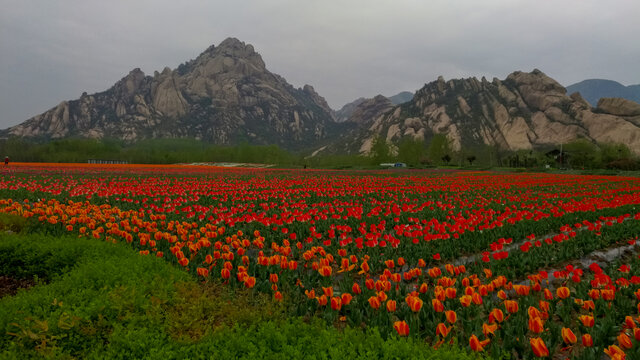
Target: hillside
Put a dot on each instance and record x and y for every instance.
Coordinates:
(523, 111)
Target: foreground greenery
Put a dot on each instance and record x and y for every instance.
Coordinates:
(102, 300)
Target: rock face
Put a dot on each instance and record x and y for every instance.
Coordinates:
(226, 95)
(524, 111)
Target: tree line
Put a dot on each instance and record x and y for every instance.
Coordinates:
(437, 151)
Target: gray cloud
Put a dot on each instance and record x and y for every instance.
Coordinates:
(54, 50)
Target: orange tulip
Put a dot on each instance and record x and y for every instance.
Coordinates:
(624, 341)
(437, 305)
(465, 300)
(629, 323)
(336, 303)
(608, 294)
(536, 325)
(273, 278)
(476, 298)
(442, 330)
(511, 306)
(568, 336)
(328, 291)
(356, 289)
(502, 295)
(496, 315)
(450, 292)
(278, 296)
(563, 292)
(636, 333)
(414, 302)
(374, 302)
(202, 272)
(250, 282)
(391, 305)
(451, 316)
(587, 320)
(489, 329)
(547, 294)
(311, 294)
(615, 353)
(477, 345)
(589, 305)
(587, 341)
(533, 312)
(594, 294)
(322, 300)
(423, 288)
(401, 327)
(539, 348)
(346, 298)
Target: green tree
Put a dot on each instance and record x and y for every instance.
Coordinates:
(380, 151)
(411, 151)
(439, 147)
(610, 152)
(581, 153)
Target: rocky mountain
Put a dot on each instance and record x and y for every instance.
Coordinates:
(226, 95)
(347, 110)
(523, 111)
(594, 89)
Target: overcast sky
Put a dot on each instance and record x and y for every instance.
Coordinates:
(52, 51)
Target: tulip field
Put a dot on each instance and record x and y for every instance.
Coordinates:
(519, 265)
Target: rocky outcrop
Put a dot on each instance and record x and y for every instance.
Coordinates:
(619, 106)
(226, 95)
(523, 111)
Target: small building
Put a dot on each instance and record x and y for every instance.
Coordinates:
(394, 165)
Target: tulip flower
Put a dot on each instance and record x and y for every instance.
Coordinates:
(465, 300)
(277, 296)
(511, 306)
(414, 302)
(563, 292)
(587, 341)
(568, 336)
(636, 333)
(374, 302)
(615, 353)
(437, 305)
(536, 325)
(322, 300)
(442, 330)
(477, 345)
(336, 303)
(624, 341)
(496, 315)
(346, 298)
(539, 347)
(401, 327)
(587, 320)
(489, 329)
(391, 305)
(451, 316)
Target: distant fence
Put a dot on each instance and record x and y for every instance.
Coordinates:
(102, 161)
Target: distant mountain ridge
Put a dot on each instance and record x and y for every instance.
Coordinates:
(594, 89)
(225, 96)
(523, 111)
